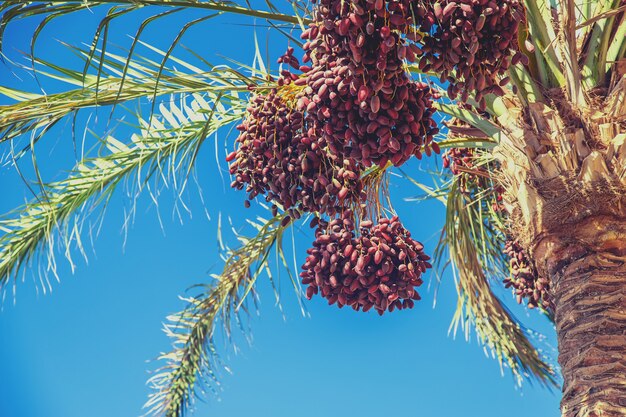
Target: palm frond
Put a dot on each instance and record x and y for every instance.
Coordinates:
(539, 26)
(190, 366)
(118, 81)
(474, 249)
(617, 48)
(594, 68)
(589, 19)
(471, 245)
(493, 131)
(165, 148)
(12, 10)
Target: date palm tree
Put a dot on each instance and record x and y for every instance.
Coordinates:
(536, 197)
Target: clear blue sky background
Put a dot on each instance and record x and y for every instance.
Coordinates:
(86, 348)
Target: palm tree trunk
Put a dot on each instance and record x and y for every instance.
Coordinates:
(587, 267)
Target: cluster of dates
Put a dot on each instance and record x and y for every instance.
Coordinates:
(276, 158)
(380, 268)
(472, 43)
(524, 279)
(364, 106)
(357, 88)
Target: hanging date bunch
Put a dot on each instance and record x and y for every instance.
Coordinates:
(471, 44)
(358, 90)
(524, 279)
(380, 267)
(275, 158)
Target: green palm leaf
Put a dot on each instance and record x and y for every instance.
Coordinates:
(474, 250)
(191, 363)
(118, 81)
(167, 147)
(48, 10)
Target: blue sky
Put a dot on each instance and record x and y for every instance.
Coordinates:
(86, 348)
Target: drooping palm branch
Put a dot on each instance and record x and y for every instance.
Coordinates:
(165, 147)
(474, 249)
(190, 367)
(471, 245)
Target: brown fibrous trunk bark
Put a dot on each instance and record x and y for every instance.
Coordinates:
(586, 263)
